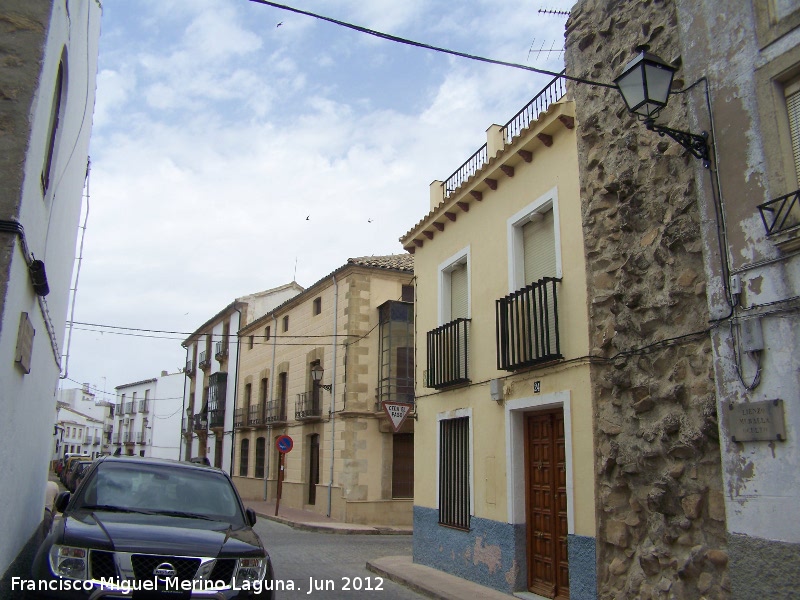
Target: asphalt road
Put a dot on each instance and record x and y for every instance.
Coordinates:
(324, 566)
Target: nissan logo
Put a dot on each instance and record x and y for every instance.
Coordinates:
(164, 570)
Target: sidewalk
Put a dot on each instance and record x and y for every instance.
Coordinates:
(400, 569)
(311, 521)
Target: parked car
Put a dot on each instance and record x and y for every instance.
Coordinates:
(68, 461)
(75, 478)
(72, 470)
(165, 523)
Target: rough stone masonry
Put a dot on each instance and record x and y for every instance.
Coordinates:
(660, 512)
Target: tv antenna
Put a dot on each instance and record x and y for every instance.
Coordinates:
(542, 50)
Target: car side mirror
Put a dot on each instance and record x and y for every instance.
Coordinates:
(61, 501)
(251, 516)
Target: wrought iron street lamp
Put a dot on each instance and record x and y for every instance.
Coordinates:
(645, 85)
(316, 377)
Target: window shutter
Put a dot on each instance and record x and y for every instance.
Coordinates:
(539, 248)
(793, 108)
(459, 303)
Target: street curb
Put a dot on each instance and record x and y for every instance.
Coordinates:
(323, 528)
(405, 582)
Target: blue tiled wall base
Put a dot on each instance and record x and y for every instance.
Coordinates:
(582, 567)
(494, 554)
(491, 553)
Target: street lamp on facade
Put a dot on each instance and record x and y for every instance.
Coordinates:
(316, 377)
(645, 85)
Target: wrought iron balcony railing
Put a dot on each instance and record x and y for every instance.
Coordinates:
(216, 417)
(239, 419)
(221, 350)
(189, 370)
(275, 412)
(200, 422)
(527, 326)
(204, 362)
(141, 437)
(255, 415)
(448, 355)
(143, 405)
(308, 406)
(781, 213)
(553, 92)
(128, 437)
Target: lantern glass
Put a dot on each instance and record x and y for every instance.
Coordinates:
(645, 84)
(316, 373)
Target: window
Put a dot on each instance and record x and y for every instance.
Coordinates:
(261, 454)
(407, 293)
(282, 392)
(244, 457)
(252, 339)
(317, 306)
(286, 323)
(454, 284)
(266, 333)
(534, 243)
(55, 115)
(454, 473)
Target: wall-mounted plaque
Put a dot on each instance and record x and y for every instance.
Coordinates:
(756, 421)
(24, 350)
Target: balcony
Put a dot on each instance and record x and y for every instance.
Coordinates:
(96, 440)
(128, 437)
(221, 350)
(186, 425)
(128, 408)
(781, 218)
(200, 422)
(448, 353)
(527, 326)
(239, 417)
(143, 405)
(189, 369)
(255, 415)
(308, 406)
(216, 418)
(141, 437)
(204, 362)
(275, 412)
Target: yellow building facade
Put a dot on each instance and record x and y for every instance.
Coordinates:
(345, 461)
(504, 483)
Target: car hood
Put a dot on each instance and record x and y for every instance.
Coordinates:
(158, 534)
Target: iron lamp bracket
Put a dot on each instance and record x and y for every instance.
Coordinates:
(697, 145)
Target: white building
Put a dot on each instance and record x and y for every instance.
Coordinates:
(48, 77)
(77, 433)
(148, 417)
(84, 401)
(212, 358)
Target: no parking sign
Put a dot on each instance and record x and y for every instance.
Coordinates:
(284, 444)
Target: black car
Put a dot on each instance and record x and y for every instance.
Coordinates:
(152, 528)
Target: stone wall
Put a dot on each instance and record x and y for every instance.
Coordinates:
(660, 512)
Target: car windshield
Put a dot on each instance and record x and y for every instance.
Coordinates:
(161, 489)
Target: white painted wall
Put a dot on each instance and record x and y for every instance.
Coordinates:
(28, 401)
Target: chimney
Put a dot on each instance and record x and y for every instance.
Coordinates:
(164, 373)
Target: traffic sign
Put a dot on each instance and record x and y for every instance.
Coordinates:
(284, 444)
(397, 413)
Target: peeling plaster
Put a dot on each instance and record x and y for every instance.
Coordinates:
(491, 556)
(740, 473)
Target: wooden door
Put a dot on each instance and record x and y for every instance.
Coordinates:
(546, 504)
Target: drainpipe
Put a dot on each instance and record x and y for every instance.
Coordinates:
(333, 386)
(181, 443)
(268, 449)
(235, 388)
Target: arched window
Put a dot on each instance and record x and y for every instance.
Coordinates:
(59, 94)
(244, 457)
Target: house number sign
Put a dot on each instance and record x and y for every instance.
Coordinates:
(756, 421)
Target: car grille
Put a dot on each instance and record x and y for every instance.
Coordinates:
(102, 564)
(144, 565)
(223, 570)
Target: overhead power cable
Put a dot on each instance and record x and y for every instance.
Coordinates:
(400, 40)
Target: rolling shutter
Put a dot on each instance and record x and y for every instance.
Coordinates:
(459, 296)
(793, 108)
(539, 248)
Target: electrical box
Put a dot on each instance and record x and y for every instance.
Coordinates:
(496, 389)
(752, 335)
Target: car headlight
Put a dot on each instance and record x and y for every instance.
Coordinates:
(69, 561)
(250, 570)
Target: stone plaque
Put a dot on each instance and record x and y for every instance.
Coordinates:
(24, 350)
(756, 421)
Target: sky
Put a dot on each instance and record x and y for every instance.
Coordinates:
(237, 147)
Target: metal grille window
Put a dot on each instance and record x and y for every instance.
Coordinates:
(261, 455)
(793, 109)
(396, 352)
(454, 473)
